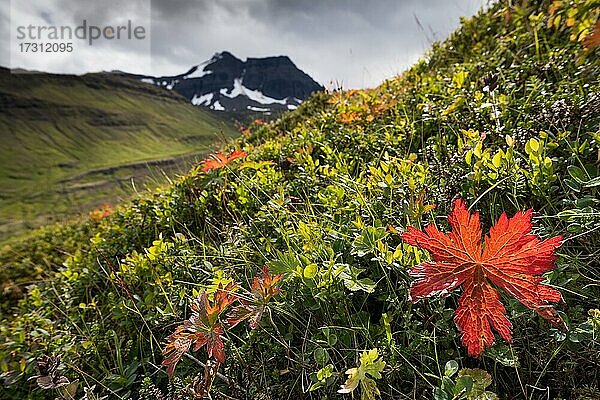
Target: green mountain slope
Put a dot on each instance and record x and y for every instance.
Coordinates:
(503, 114)
(69, 143)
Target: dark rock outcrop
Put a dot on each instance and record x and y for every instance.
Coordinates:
(226, 83)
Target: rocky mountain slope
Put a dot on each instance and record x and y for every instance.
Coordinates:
(226, 83)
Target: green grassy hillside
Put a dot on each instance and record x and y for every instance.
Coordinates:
(70, 143)
(503, 114)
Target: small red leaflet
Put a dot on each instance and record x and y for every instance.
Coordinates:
(202, 328)
(219, 160)
(264, 287)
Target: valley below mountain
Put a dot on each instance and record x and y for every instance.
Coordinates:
(72, 143)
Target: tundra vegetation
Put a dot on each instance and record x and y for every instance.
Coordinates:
(314, 257)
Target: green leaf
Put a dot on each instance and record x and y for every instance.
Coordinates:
(368, 389)
(593, 182)
(573, 185)
(352, 282)
(310, 271)
(364, 284)
(87, 344)
(440, 394)
(325, 372)
(459, 78)
(586, 202)
(478, 150)
(330, 336)
(464, 385)
(385, 318)
(321, 356)
(469, 157)
(497, 159)
(534, 145)
(454, 106)
(451, 368)
(577, 173)
(367, 241)
(370, 365)
(285, 263)
(481, 379)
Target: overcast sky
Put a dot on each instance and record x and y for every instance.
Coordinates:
(355, 43)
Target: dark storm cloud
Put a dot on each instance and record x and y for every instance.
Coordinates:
(105, 12)
(358, 43)
(354, 42)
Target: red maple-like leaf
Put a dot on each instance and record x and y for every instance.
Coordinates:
(202, 328)
(219, 160)
(510, 258)
(264, 288)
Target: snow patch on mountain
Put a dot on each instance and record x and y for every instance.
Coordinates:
(256, 95)
(203, 100)
(199, 73)
(235, 92)
(168, 84)
(259, 109)
(200, 70)
(217, 106)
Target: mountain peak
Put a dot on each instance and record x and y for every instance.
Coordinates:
(226, 83)
(283, 59)
(225, 54)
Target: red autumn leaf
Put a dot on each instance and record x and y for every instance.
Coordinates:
(219, 160)
(202, 328)
(264, 288)
(510, 258)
